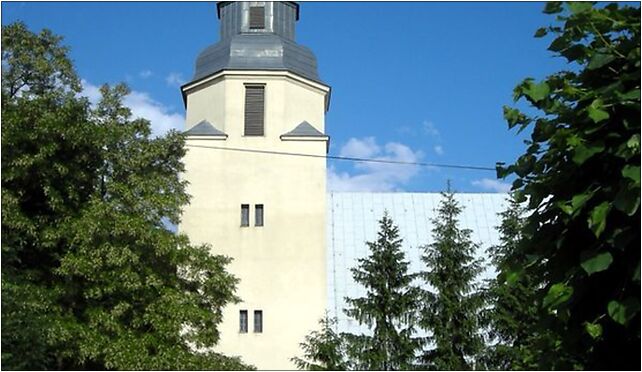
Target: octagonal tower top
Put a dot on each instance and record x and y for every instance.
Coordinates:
(257, 35)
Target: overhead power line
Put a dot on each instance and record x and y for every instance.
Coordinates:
(347, 158)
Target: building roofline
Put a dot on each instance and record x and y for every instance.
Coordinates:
(223, 71)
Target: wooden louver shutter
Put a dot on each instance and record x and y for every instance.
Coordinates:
(257, 18)
(254, 107)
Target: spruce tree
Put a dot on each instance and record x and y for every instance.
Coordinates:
(388, 308)
(323, 350)
(513, 314)
(450, 313)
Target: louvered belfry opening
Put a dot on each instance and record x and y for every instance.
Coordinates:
(257, 18)
(254, 109)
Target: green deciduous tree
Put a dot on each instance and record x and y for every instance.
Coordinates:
(450, 313)
(581, 177)
(389, 307)
(323, 350)
(91, 277)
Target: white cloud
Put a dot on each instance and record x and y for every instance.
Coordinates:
(439, 150)
(142, 105)
(175, 79)
(430, 129)
(489, 184)
(92, 92)
(145, 74)
(374, 176)
(360, 148)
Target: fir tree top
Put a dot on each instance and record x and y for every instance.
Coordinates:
(451, 312)
(389, 306)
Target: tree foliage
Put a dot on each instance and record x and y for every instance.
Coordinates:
(91, 277)
(516, 339)
(323, 350)
(581, 177)
(389, 307)
(450, 313)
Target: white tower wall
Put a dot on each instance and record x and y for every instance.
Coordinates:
(281, 265)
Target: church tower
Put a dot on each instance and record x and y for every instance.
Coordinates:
(254, 101)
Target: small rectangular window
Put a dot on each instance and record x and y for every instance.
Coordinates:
(257, 18)
(258, 321)
(254, 109)
(258, 214)
(245, 215)
(243, 321)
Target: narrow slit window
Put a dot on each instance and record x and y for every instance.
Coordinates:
(243, 321)
(258, 321)
(257, 18)
(258, 215)
(245, 215)
(254, 109)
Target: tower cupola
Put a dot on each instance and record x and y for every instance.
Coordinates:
(257, 17)
(257, 35)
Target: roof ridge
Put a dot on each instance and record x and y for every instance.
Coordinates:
(304, 129)
(204, 128)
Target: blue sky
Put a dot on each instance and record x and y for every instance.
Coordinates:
(410, 81)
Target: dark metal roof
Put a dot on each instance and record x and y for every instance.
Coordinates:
(304, 129)
(204, 128)
(242, 48)
(257, 52)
